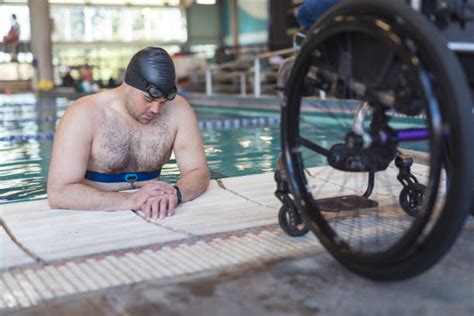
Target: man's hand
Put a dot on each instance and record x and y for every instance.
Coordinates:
(149, 190)
(158, 207)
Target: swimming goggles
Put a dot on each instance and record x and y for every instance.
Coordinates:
(157, 93)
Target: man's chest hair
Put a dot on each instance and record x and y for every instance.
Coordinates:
(123, 146)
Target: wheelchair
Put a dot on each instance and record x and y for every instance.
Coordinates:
(381, 170)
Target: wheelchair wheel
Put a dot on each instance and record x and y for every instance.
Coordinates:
(291, 222)
(411, 198)
(394, 88)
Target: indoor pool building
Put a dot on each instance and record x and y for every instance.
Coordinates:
(229, 157)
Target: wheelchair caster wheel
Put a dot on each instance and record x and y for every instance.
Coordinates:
(411, 198)
(291, 222)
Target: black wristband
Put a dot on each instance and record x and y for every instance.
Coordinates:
(178, 194)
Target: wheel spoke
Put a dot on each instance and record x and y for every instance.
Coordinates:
(385, 68)
(314, 147)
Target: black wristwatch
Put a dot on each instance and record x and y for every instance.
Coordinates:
(178, 194)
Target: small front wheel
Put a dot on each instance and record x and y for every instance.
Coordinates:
(291, 222)
(411, 198)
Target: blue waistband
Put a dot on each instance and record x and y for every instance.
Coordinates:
(122, 177)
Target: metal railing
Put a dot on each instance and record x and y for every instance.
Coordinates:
(242, 74)
(257, 67)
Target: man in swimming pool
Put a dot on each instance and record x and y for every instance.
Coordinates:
(119, 139)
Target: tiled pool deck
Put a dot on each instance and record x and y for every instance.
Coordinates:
(48, 253)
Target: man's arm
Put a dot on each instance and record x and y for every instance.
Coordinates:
(189, 153)
(71, 150)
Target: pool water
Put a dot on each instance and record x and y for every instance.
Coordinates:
(237, 142)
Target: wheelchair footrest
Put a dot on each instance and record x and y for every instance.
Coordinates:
(345, 203)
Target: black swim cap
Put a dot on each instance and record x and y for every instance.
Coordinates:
(151, 66)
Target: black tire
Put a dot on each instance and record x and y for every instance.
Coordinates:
(405, 53)
(472, 203)
(411, 198)
(291, 222)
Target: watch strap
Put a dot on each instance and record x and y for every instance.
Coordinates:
(178, 194)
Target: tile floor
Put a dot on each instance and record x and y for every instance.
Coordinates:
(66, 252)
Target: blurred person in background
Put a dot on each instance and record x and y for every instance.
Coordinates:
(86, 82)
(68, 80)
(12, 39)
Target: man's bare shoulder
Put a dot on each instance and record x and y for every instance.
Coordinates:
(183, 117)
(90, 107)
(180, 106)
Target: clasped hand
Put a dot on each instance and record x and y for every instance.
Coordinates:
(156, 199)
